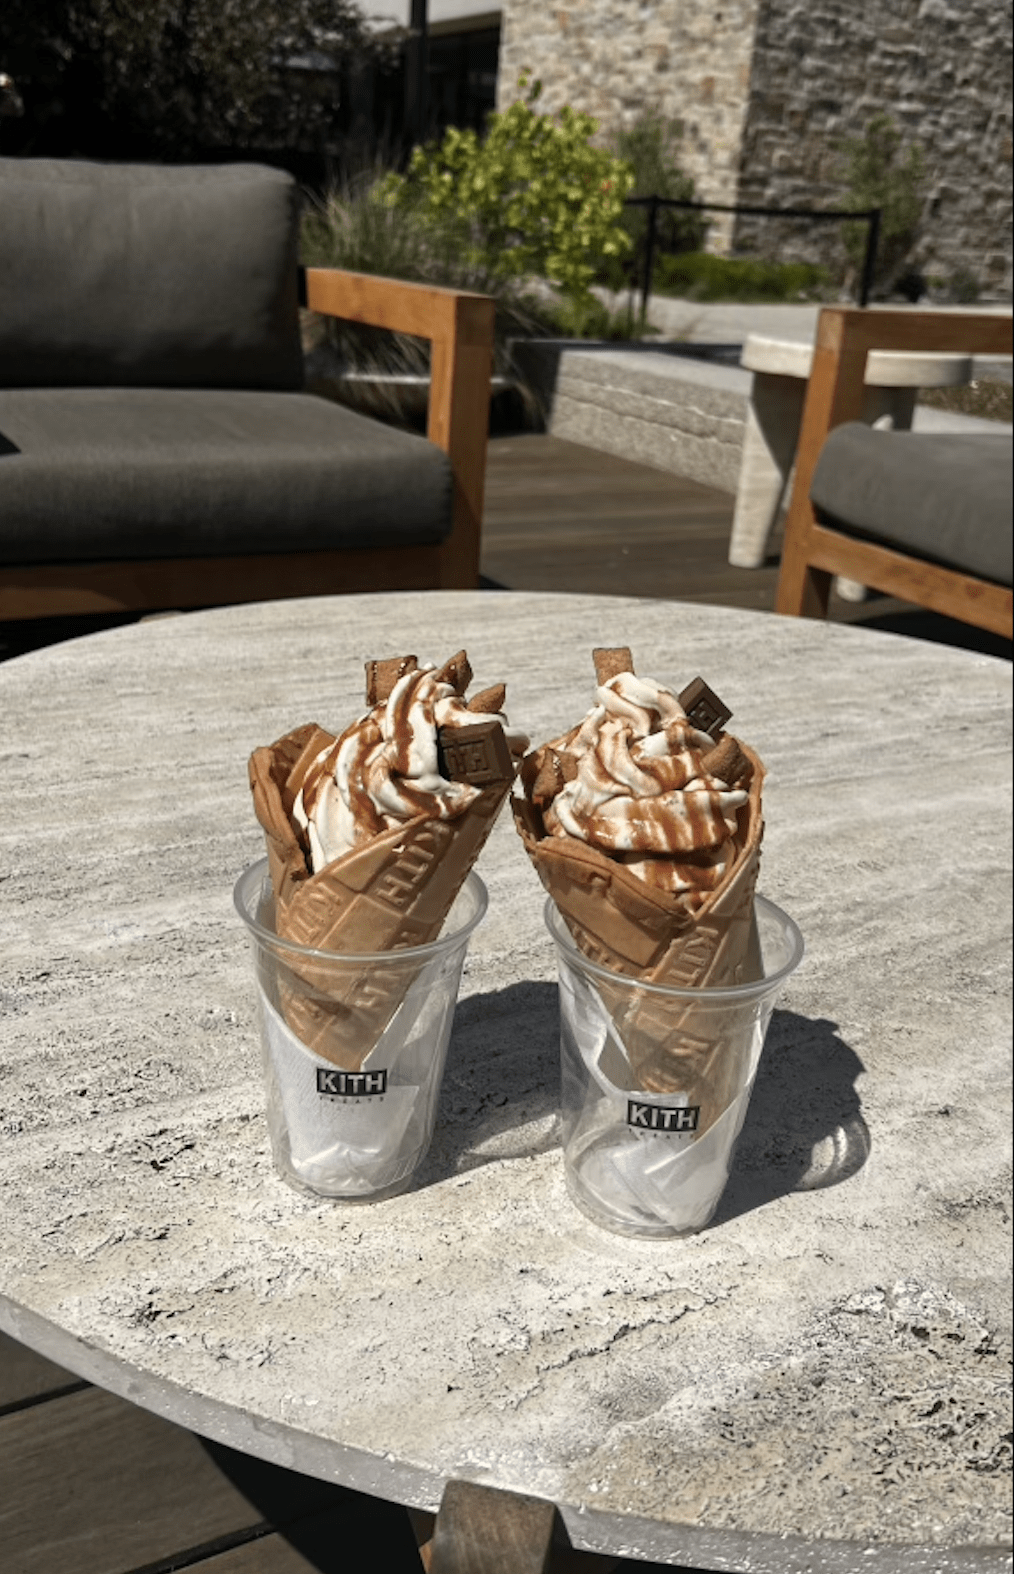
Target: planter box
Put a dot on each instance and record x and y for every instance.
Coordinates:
(680, 408)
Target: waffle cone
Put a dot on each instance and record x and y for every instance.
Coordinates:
(393, 892)
(629, 927)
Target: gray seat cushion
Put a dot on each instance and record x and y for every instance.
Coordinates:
(945, 497)
(143, 275)
(97, 473)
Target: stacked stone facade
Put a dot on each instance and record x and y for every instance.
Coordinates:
(769, 91)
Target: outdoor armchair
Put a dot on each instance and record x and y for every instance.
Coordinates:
(156, 446)
(923, 517)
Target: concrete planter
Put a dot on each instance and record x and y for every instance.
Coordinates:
(678, 407)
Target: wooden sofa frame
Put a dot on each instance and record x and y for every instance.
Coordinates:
(459, 326)
(813, 552)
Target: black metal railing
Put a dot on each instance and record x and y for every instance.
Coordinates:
(871, 217)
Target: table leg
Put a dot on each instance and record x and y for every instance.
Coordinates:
(769, 447)
(481, 1530)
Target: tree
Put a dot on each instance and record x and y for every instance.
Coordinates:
(652, 145)
(173, 77)
(534, 196)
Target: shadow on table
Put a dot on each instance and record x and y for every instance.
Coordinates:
(804, 1127)
(501, 1091)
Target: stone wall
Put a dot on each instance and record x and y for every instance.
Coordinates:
(940, 68)
(769, 89)
(611, 58)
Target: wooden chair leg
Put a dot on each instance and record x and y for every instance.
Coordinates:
(803, 591)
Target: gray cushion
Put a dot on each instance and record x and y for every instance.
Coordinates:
(945, 497)
(142, 275)
(93, 473)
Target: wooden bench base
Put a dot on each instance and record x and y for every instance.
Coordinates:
(58, 590)
(804, 586)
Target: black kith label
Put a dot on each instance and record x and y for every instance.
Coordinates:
(662, 1117)
(351, 1084)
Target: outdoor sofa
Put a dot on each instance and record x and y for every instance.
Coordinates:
(156, 446)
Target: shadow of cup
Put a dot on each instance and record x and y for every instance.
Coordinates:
(804, 1128)
(803, 1131)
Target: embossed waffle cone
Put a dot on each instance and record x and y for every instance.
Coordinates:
(629, 927)
(393, 892)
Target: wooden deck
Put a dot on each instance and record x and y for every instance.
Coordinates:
(92, 1485)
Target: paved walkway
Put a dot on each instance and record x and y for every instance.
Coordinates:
(704, 322)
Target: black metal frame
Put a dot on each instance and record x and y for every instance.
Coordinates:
(871, 216)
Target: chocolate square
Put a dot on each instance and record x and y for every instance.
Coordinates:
(381, 676)
(478, 754)
(704, 708)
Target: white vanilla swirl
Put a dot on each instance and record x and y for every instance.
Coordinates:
(384, 769)
(641, 792)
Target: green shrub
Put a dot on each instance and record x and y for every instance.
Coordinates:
(698, 276)
(651, 146)
(354, 227)
(881, 173)
(963, 287)
(533, 196)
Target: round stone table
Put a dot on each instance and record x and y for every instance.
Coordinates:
(817, 1381)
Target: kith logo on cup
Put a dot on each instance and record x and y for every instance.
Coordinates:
(663, 1117)
(351, 1084)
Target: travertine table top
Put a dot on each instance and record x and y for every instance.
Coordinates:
(824, 1362)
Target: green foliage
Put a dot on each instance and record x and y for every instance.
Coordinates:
(179, 75)
(963, 287)
(534, 197)
(594, 320)
(355, 227)
(882, 173)
(651, 146)
(698, 276)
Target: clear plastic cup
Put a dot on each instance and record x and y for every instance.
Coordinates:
(654, 1161)
(355, 1130)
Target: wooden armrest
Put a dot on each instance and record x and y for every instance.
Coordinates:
(459, 325)
(845, 338)
(425, 310)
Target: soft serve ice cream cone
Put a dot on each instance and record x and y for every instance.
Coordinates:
(644, 824)
(370, 836)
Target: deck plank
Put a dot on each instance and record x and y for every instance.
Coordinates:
(26, 1378)
(563, 517)
(97, 1485)
(332, 1543)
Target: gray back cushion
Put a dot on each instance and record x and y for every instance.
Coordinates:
(133, 275)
